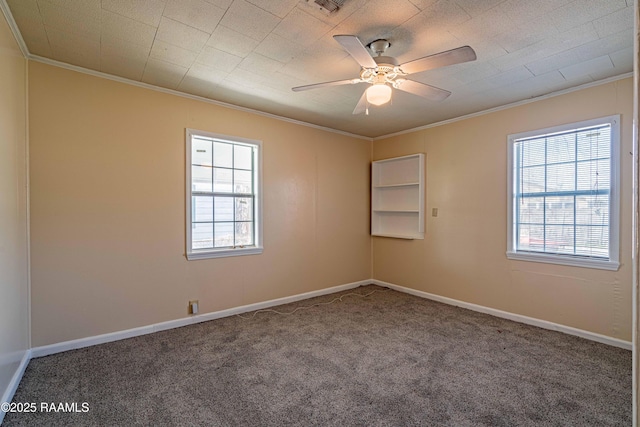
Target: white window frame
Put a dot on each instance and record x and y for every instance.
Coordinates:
(614, 199)
(257, 248)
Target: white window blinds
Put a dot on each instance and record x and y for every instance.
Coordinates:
(223, 204)
(562, 192)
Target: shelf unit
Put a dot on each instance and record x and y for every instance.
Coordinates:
(397, 197)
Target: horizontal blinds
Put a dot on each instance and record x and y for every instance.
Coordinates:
(562, 191)
(223, 193)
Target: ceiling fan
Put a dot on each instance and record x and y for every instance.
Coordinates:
(384, 72)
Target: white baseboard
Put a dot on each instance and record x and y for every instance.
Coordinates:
(7, 396)
(143, 330)
(511, 316)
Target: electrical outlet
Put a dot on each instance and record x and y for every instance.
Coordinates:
(434, 212)
(193, 307)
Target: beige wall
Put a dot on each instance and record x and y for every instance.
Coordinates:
(14, 289)
(108, 208)
(107, 212)
(463, 253)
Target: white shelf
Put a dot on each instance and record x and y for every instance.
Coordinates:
(400, 236)
(408, 184)
(397, 197)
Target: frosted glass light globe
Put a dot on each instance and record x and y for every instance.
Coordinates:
(378, 94)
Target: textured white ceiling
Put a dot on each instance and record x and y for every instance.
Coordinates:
(252, 52)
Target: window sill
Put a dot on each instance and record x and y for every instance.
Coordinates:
(565, 260)
(220, 253)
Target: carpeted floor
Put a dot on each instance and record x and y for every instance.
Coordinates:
(388, 359)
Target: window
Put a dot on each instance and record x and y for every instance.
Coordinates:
(223, 196)
(563, 194)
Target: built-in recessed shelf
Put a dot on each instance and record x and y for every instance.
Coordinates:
(397, 197)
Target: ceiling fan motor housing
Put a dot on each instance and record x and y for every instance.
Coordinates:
(386, 71)
(386, 61)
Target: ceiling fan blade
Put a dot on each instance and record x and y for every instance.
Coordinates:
(442, 59)
(430, 92)
(325, 84)
(356, 49)
(361, 107)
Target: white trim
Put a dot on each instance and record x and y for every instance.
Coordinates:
(507, 106)
(14, 29)
(28, 198)
(171, 324)
(615, 342)
(221, 253)
(564, 260)
(613, 263)
(257, 248)
(311, 125)
(10, 391)
(25, 51)
(635, 185)
(314, 126)
(95, 73)
(7, 396)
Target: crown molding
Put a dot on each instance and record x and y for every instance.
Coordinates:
(25, 51)
(124, 80)
(507, 106)
(14, 28)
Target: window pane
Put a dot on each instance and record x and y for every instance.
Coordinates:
(202, 235)
(532, 152)
(559, 239)
(531, 210)
(531, 238)
(592, 210)
(222, 202)
(222, 154)
(223, 208)
(244, 233)
(242, 157)
(224, 234)
(222, 180)
(532, 180)
(569, 174)
(559, 210)
(592, 241)
(561, 177)
(244, 209)
(594, 144)
(561, 148)
(594, 175)
(202, 209)
(200, 178)
(243, 181)
(201, 152)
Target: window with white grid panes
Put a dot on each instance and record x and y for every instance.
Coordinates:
(223, 200)
(563, 188)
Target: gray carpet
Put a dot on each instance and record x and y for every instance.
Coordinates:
(389, 359)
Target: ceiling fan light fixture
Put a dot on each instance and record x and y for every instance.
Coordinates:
(382, 73)
(378, 94)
